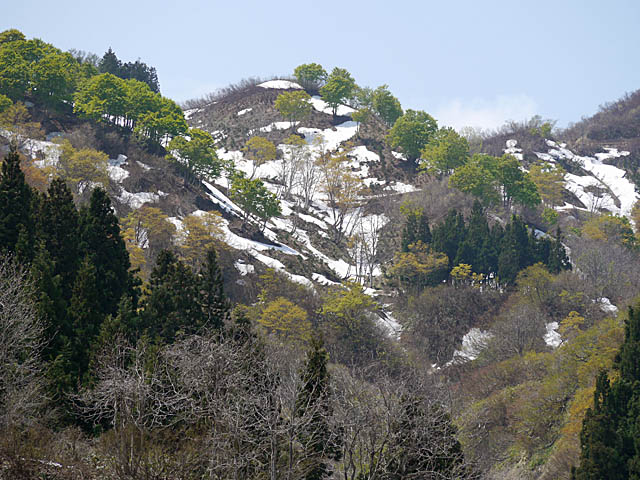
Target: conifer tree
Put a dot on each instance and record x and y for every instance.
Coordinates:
(416, 228)
(215, 305)
(85, 316)
(110, 63)
(173, 303)
(16, 218)
(470, 250)
(101, 240)
(58, 229)
(448, 235)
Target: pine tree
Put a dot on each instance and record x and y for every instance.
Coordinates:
(610, 436)
(16, 217)
(215, 305)
(558, 259)
(470, 250)
(110, 63)
(409, 232)
(449, 235)
(100, 239)
(173, 304)
(85, 316)
(58, 229)
(314, 405)
(50, 302)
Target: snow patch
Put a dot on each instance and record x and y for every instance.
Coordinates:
(115, 170)
(244, 268)
(473, 342)
(333, 137)
(242, 112)
(322, 106)
(137, 200)
(552, 337)
(280, 85)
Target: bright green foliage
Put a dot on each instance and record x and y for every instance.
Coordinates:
(310, 75)
(478, 177)
(517, 185)
(198, 153)
(386, 105)
(294, 106)
(492, 179)
(314, 405)
(82, 167)
(16, 214)
(129, 103)
(139, 100)
(254, 198)
(14, 73)
(411, 132)
(549, 180)
(362, 115)
(167, 121)
(53, 79)
(445, 152)
(338, 89)
(101, 97)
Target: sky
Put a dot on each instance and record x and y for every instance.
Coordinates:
(467, 63)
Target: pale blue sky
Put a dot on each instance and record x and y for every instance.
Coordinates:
(465, 62)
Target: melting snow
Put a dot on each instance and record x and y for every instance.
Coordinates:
(607, 306)
(136, 200)
(324, 107)
(280, 84)
(244, 268)
(242, 112)
(512, 149)
(473, 342)
(333, 137)
(116, 172)
(552, 337)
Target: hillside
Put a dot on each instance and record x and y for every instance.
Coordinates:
(291, 280)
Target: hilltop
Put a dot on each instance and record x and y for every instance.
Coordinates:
(196, 253)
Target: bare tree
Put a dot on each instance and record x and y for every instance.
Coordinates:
(21, 343)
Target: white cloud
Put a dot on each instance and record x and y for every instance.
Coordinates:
(485, 113)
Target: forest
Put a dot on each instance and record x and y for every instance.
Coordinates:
(235, 288)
